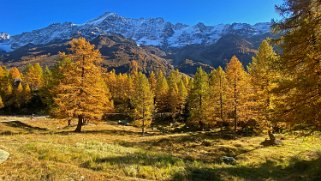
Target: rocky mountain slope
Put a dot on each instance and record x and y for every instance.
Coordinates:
(117, 51)
(157, 38)
(153, 31)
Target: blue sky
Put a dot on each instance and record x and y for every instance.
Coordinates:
(25, 15)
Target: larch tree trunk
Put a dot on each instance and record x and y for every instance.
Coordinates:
(80, 123)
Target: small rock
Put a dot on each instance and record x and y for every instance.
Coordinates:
(82, 178)
(228, 160)
(3, 156)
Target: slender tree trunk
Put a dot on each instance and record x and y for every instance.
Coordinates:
(268, 101)
(266, 111)
(143, 127)
(235, 119)
(81, 117)
(221, 98)
(235, 106)
(200, 109)
(80, 123)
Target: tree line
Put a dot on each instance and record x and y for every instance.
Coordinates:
(78, 87)
(273, 88)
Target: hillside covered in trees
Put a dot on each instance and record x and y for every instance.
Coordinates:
(271, 89)
(259, 121)
(233, 96)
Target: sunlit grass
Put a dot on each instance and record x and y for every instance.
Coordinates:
(112, 152)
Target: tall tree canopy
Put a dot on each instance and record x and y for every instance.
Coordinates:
(82, 93)
(15, 73)
(300, 88)
(218, 91)
(263, 78)
(199, 99)
(162, 90)
(34, 76)
(143, 101)
(238, 91)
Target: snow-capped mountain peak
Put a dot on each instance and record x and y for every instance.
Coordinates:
(101, 18)
(152, 31)
(4, 36)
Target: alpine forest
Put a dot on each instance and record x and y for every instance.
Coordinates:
(111, 105)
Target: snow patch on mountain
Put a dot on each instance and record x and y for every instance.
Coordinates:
(263, 27)
(153, 31)
(4, 36)
(100, 18)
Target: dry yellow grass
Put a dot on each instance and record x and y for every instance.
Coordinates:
(45, 149)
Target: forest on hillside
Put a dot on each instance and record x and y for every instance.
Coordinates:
(274, 90)
(75, 119)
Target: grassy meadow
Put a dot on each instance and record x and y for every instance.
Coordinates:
(46, 149)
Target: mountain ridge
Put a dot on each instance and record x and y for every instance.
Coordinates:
(145, 31)
(153, 42)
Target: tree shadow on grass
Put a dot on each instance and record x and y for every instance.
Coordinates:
(141, 159)
(8, 133)
(107, 132)
(117, 132)
(21, 125)
(296, 169)
(181, 139)
(270, 170)
(157, 161)
(183, 144)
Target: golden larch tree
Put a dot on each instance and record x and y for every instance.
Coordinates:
(15, 73)
(162, 89)
(34, 76)
(18, 96)
(26, 93)
(218, 91)
(182, 96)
(47, 77)
(300, 87)
(82, 93)
(153, 82)
(199, 99)
(173, 92)
(238, 91)
(263, 78)
(3, 80)
(142, 101)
